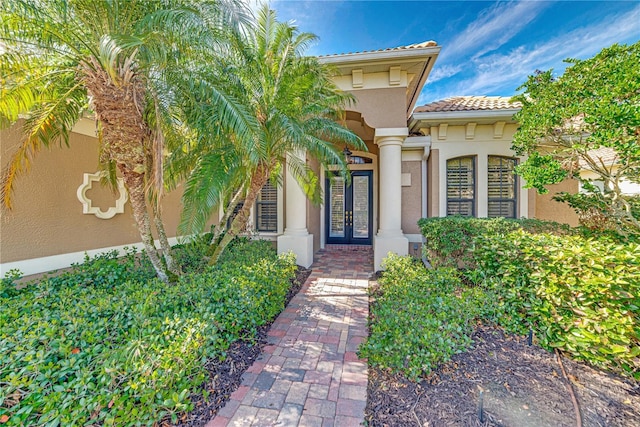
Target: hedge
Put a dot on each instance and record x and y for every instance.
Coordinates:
(420, 318)
(578, 293)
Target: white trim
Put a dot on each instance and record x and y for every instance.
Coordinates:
(423, 191)
(417, 143)
(378, 56)
(56, 262)
(394, 133)
(87, 206)
(414, 238)
(412, 156)
(444, 116)
(280, 204)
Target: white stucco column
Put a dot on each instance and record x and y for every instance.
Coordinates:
(296, 237)
(390, 237)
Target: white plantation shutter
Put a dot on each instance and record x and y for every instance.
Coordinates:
(461, 186)
(502, 191)
(267, 209)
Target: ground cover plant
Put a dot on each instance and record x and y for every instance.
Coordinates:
(107, 343)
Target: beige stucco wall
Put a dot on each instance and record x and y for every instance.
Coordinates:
(47, 217)
(412, 197)
(382, 108)
(433, 183)
(548, 209)
(531, 195)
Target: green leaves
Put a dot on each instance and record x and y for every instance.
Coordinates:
(540, 170)
(450, 241)
(578, 290)
(420, 317)
(579, 293)
(108, 344)
(585, 123)
(249, 109)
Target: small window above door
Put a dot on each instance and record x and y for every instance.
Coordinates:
(359, 160)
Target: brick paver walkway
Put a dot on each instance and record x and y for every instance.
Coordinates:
(309, 373)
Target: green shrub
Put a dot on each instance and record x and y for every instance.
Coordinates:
(577, 289)
(192, 256)
(450, 240)
(420, 317)
(89, 348)
(579, 294)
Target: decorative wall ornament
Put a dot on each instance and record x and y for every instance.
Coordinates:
(88, 208)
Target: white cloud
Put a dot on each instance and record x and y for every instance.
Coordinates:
(253, 5)
(493, 28)
(497, 70)
(444, 72)
(495, 73)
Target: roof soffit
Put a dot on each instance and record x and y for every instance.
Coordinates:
(425, 120)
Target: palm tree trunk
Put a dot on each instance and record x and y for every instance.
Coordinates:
(258, 180)
(164, 242)
(235, 201)
(138, 200)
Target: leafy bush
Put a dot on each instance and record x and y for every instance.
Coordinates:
(106, 345)
(192, 256)
(578, 290)
(420, 317)
(450, 241)
(579, 294)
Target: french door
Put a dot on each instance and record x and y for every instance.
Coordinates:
(348, 208)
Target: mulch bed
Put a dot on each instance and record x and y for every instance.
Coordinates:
(520, 385)
(225, 376)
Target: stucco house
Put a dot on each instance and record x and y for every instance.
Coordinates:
(448, 157)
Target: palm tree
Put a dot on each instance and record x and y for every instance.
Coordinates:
(294, 107)
(61, 57)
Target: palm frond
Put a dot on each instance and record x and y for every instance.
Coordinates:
(205, 190)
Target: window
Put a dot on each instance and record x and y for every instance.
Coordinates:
(461, 186)
(501, 180)
(267, 209)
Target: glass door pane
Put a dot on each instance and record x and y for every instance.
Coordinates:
(336, 207)
(360, 206)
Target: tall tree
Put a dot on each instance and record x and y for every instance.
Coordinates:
(288, 104)
(62, 57)
(586, 124)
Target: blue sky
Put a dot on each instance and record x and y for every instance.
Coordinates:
(488, 48)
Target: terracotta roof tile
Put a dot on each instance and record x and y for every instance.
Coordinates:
(605, 155)
(469, 103)
(429, 43)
